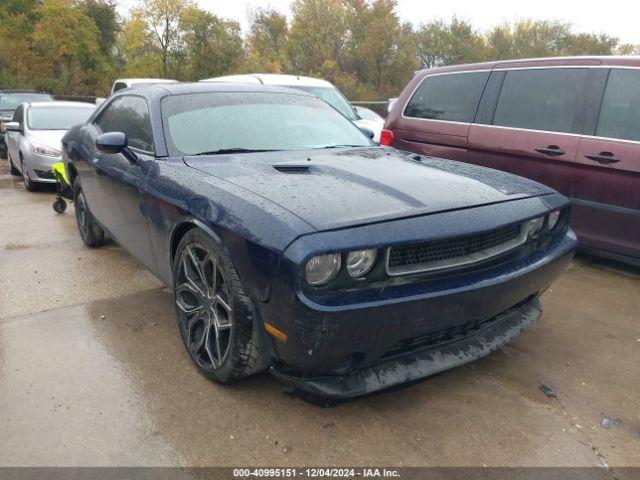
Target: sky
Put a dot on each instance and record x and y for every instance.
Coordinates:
(615, 18)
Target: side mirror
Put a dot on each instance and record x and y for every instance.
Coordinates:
(368, 132)
(113, 143)
(12, 127)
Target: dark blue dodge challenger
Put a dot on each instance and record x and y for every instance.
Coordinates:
(293, 243)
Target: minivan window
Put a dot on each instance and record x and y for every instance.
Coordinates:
(541, 99)
(452, 97)
(620, 111)
(130, 115)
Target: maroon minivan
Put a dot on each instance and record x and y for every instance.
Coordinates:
(570, 123)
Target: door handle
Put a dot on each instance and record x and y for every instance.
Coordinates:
(603, 157)
(551, 150)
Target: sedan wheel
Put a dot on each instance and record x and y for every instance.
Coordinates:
(12, 168)
(29, 184)
(214, 315)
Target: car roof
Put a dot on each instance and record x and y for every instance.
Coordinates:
(58, 103)
(273, 79)
(133, 81)
(160, 90)
(605, 61)
(18, 90)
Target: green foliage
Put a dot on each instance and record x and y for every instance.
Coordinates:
(80, 46)
(210, 46)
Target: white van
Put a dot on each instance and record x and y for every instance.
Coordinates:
(122, 83)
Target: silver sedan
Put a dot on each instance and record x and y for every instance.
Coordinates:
(34, 136)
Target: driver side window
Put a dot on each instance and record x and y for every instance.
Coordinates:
(130, 115)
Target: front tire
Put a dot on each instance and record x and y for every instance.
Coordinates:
(12, 168)
(90, 232)
(215, 316)
(29, 184)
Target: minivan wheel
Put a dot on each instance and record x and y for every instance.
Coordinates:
(215, 316)
(90, 232)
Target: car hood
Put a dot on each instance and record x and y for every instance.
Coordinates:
(48, 138)
(336, 188)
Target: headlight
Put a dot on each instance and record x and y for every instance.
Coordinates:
(322, 269)
(534, 226)
(45, 151)
(360, 262)
(553, 219)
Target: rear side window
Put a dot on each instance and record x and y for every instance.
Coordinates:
(452, 97)
(130, 115)
(620, 111)
(545, 99)
(119, 86)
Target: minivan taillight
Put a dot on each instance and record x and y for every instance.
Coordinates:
(386, 137)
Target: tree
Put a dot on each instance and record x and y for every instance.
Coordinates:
(628, 49)
(319, 35)
(543, 38)
(66, 42)
(163, 18)
(103, 13)
(211, 46)
(439, 43)
(139, 55)
(268, 41)
(17, 58)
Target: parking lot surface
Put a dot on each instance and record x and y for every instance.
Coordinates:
(93, 373)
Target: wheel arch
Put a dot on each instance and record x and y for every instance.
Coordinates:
(182, 228)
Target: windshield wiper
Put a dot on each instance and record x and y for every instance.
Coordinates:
(222, 151)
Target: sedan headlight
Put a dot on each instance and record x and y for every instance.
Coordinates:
(360, 262)
(322, 269)
(534, 226)
(45, 151)
(553, 219)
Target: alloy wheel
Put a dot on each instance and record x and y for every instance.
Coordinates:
(25, 176)
(203, 301)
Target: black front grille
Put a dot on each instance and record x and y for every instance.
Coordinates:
(437, 253)
(449, 334)
(44, 174)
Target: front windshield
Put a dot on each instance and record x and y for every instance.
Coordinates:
(216, 121)
(333, 97)
(58, 117)
(11, 101)
(367, 114)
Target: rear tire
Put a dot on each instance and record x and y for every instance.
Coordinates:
(216, 319)
(90, 232)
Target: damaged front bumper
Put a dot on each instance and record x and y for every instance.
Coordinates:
(422, 363)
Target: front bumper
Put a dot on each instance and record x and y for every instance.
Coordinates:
(354, 331)
(421, 363)
(40, 167)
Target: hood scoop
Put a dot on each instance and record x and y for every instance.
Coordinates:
(292, 169)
